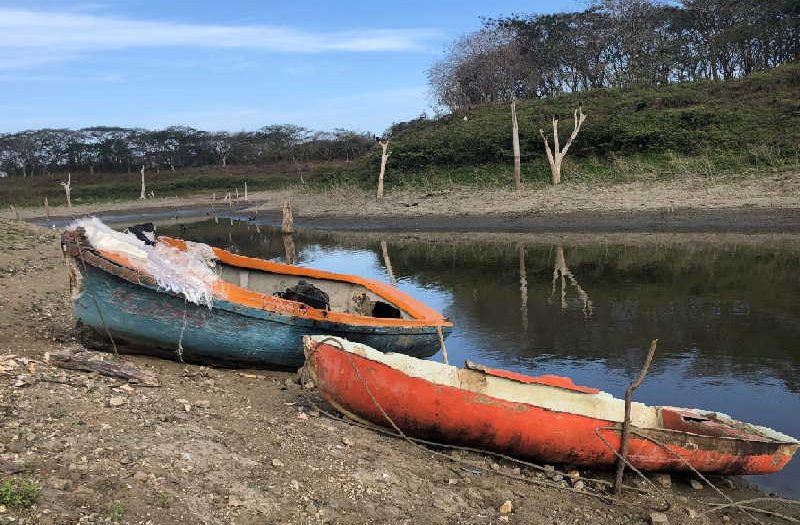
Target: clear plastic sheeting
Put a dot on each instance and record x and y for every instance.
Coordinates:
(189, 273)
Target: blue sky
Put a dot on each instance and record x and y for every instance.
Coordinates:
(228, 64)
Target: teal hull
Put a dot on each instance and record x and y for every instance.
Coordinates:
(159, 323)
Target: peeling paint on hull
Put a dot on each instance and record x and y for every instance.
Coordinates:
(420, 402)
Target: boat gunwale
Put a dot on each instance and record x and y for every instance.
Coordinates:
(423, 317)
(311, 342)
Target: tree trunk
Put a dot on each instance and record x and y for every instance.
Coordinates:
(384, 157)
(515, 143)
(142, 195)
(555, 156)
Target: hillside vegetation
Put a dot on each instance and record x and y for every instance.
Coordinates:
(748, 126)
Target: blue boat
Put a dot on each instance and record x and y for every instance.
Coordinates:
(240, 311)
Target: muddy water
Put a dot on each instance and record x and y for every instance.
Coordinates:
(726, 311)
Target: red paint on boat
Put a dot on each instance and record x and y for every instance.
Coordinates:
(424, 408)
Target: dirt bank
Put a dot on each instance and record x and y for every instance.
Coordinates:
(764, 204)
(217, 446)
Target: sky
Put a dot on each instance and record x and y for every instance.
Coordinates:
(229, 64)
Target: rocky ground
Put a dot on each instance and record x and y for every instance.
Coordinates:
(220, 446)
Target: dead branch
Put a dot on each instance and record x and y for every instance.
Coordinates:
(384, 157)
(68, 189)
(83, 361)
(143, 194)
(626, 424)
(515, 144)
(555, 156)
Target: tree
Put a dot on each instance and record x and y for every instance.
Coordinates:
(556, 156)
(385, 153)
(68, 189)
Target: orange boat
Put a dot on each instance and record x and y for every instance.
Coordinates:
(547, 418)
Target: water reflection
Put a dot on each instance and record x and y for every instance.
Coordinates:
(727, 315)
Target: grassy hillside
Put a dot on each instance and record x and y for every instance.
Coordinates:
(746, 127)
(749, 126)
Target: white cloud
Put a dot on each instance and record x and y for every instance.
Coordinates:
(33, 37)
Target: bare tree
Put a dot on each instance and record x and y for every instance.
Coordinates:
(68, 189)
(515, 142)
(384, 157)
(143, 194)
(556, 156)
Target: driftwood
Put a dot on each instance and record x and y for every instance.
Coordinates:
(626, 425)
(83, 361)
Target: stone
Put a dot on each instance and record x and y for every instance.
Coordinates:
(663, 480)
(203, 403)
(116, 401)
(558, 477)
(59, 484)
(692, 513)
(506, 507)
(3, 509)
(658, 518)
(696, 485)
(140, 476)
(573, 475)
(549, 471)
(347, 441)
(578, 485)
(277, 463)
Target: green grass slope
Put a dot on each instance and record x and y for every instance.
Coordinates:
(748, 126)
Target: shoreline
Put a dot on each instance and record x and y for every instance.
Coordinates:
(216, 445)
(769, 205)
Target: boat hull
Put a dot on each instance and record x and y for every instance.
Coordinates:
(361, 387)
(158, 323)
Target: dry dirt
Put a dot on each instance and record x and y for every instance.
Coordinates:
(779, 192)
(221, 446)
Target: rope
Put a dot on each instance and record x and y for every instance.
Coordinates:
(417, 442)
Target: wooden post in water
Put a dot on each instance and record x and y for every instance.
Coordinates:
(46, 208)
(388, 262)
(289, 249)
(287, 226)
(626, 425)
(245, 191)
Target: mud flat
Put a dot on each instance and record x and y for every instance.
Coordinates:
(219, 446)
(770, 204)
